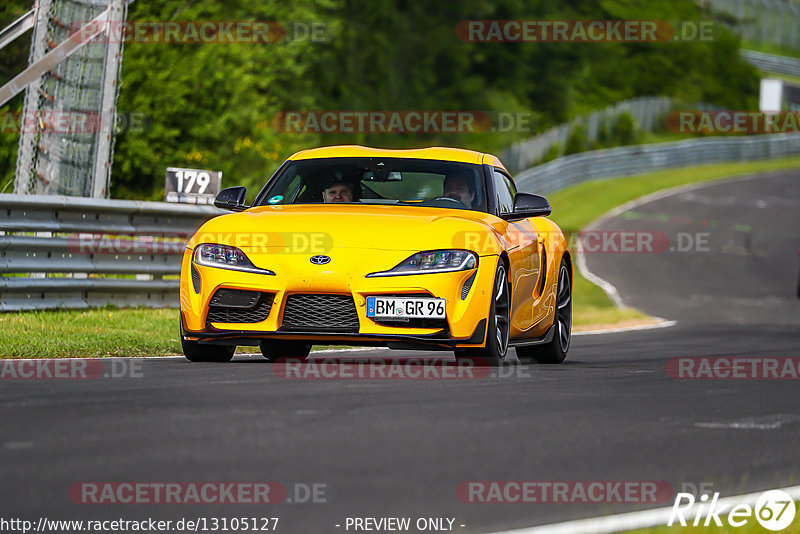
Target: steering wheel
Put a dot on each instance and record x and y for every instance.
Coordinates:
(450, 199)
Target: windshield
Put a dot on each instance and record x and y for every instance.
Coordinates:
(412, 182)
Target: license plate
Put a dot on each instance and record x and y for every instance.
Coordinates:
(405, 308)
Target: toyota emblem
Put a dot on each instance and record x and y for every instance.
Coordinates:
(320, 259)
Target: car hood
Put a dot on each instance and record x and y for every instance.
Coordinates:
(321, 227)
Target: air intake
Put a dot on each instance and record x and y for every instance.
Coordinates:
(324, 313)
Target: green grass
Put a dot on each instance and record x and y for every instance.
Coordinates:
(650, 138)
(788, 78)
(97, 332)
(770, 48)
(146, 332)
(94, 332)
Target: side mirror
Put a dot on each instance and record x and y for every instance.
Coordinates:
(528, 205)
(232, 198)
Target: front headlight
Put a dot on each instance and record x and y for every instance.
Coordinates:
(226, 257)
(433, 261)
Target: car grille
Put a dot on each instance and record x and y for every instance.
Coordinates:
(236, 314)
(329, 313)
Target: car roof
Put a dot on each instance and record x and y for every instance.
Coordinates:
(437, 153)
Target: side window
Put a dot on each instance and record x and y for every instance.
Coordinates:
(504, 191)
(294, 189)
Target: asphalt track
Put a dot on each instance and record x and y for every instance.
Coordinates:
(399, 448)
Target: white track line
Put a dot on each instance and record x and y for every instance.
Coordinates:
(662, 323)
(324, 351)
(352, 349)
(580, 256)
(607, 286)
(637, 520)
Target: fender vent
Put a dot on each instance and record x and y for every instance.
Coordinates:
(467, 286)
(196, 279)
(542, 273)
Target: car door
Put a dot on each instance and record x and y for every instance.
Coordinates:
(523, 252)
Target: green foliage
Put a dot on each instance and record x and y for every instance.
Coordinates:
(213, 105)
(14, 60)
(576, 140)
(604, 134)
(626, 131)
(552, 153)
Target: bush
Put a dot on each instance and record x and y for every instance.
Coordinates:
(626, 130)
(577, 141)
(604, 138)
(552, 153)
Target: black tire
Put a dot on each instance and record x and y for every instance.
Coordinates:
(195, 352)
(273, 349)
(556, 350)
(495, 353)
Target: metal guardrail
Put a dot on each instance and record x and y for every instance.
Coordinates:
(773, 63)
(71, 252)
(638, 159)
(646, 110)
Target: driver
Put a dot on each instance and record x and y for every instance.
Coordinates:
(337, 189)
(459, 185)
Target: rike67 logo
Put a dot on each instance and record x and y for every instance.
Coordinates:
(774, 511)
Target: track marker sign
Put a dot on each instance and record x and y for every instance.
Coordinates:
(192, 186)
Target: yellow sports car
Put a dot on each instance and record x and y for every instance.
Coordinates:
(430, 249)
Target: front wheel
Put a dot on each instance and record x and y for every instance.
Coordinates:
(495, 352)
(556, 350)
(196, 352)
(274, 349)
